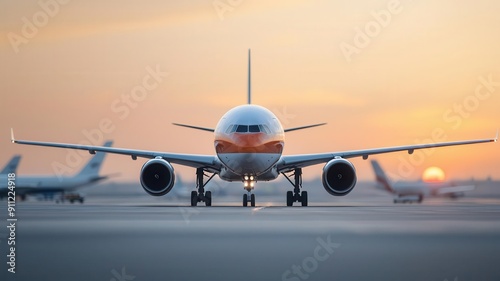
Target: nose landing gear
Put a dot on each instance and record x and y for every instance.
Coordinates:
(248, 197)
(248, 185)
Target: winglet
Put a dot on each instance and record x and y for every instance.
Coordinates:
(12, 139)
(496, 137)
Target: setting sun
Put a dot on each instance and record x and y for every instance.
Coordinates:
(433, 174)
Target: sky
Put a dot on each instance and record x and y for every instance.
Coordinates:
(380, 73)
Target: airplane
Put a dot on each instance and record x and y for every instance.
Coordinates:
(48, 186)
(11, 166)
(248, 141)
(408, 192)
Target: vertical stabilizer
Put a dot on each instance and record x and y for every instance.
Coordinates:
(94, 165)
(249, 93)
(381, 176)
(11, 167)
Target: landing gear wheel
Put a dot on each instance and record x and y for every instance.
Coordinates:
(208, 198)
(245, 200)
(200, 194)
(303, 198)
(289, 198)
(194, 198)
(252, 200)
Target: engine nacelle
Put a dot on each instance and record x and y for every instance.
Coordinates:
(339, 177)
(157, 177)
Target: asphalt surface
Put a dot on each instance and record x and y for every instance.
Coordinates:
(364, 237)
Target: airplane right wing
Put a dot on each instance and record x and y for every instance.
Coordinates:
(191, 160)
(290, 162)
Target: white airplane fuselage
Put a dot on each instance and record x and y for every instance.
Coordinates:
(249, 140)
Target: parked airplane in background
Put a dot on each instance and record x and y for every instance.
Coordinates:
(249, 141)
(49, 186)
(410, 192)
(11, 166)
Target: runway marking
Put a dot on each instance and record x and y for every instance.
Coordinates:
(257, 209)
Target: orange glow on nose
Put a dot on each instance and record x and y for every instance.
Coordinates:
(248, 143)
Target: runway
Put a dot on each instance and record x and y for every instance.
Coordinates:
(340, 239)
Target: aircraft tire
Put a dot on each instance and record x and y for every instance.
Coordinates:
(208, 198)
(303, 198)
(245, 200)
(194, 198)
(289, 198)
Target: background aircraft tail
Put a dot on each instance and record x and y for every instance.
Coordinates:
(11, 166)
(93, 167)
(381, 177)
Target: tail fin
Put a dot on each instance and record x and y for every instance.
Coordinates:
(249, 93)
(94, 165)
(381, 177)
(11, 166)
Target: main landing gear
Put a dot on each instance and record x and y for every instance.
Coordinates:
(248, 184)
(296, 195)
(201, 195)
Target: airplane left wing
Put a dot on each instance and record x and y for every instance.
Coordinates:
(190, 160)
(291, 162)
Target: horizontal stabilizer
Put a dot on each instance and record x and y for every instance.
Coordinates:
(194, 127)
(304, 127)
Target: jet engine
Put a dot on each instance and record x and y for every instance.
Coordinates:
(157, 177)
(339, 177)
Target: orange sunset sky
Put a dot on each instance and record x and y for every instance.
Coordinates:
(380, 73)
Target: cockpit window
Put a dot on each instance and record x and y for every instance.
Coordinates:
(264, 129)
(253, 128)
(248, 129)
(242, 129)
(231, 129)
